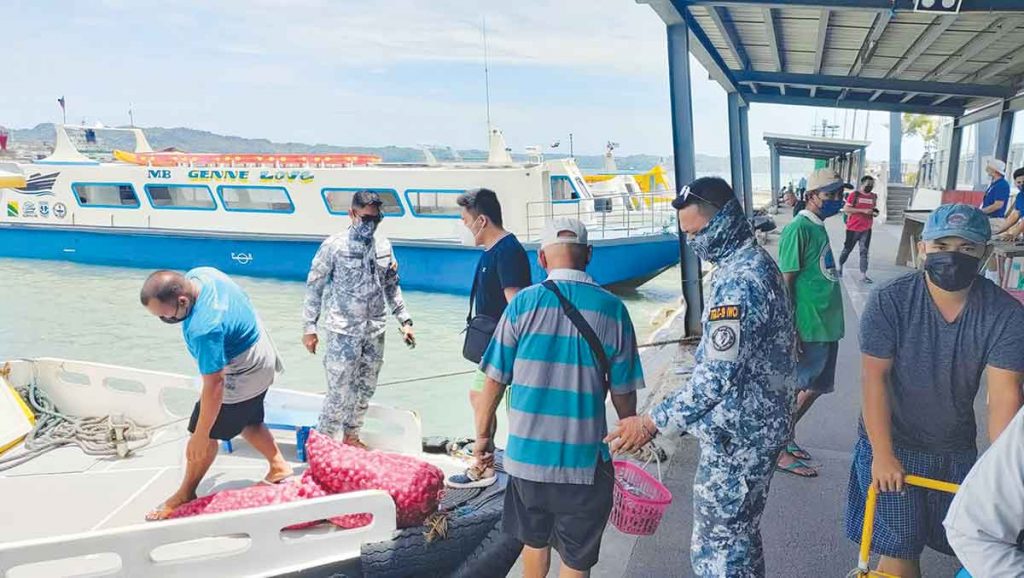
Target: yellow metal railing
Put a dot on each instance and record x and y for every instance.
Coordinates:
(863, 570)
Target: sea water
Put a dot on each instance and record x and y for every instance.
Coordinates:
(93, 313)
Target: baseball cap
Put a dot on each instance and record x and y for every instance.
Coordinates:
(825, 181)
(958, 220)
(564, 230)
(712, 190)
(366, 199)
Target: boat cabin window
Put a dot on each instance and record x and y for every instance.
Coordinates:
(108, 195)
(339, 201)
(562, 189)
(434, 203)
(255, 199)
(181, 197)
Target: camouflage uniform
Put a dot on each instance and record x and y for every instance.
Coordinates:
(738, 402)
(352, 279)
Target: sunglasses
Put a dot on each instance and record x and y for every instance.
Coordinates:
(686, 193)
(371, 218)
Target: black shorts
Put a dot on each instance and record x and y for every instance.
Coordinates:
(569, 517)
(233, 418)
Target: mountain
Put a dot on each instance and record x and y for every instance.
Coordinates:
(189, 139)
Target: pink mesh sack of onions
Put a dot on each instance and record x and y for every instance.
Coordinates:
(264, 495)
(414, 485)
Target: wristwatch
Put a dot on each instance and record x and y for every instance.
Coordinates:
(407, 322)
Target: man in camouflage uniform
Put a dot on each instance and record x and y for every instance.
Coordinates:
(356, 274)
(738, 401)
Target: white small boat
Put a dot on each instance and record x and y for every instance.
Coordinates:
(71, 514)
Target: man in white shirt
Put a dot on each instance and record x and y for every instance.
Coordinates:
(985, 523)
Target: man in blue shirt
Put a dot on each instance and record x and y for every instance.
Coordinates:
(997, 197)
(561, 476)
(1014, 226)
(503, 270)
(238, 363)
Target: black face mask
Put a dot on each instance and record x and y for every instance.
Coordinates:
(175, 320)
(951, 270)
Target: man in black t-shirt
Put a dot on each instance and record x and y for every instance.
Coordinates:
(502, 271)
(927, 338)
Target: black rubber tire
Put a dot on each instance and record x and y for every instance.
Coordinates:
(494, 557)
(410, 555)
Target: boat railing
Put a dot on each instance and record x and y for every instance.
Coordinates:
(608, 216)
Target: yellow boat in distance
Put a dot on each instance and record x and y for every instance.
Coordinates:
(631, 188)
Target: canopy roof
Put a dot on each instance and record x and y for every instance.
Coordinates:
(869, 54)
(813, 147)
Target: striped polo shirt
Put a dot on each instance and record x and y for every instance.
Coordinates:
(556, 393)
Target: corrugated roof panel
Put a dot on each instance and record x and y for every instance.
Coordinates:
(845, 38)
(950, 43)
(805, 13)
(856, 19)
(799, 39)
(740, 12)
(800, 62)
(912, 18)
(972, 21)
(752, 32)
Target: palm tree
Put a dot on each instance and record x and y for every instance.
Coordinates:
(924, 126)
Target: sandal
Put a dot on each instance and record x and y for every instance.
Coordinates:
(793, 467)
(797, 452)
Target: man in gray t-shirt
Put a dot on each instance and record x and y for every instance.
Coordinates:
(927, 339)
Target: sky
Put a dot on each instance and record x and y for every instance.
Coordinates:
(400, 72)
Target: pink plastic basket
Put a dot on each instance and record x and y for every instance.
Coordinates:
(639, 500)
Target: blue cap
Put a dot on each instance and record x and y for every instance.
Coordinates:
(958, 220)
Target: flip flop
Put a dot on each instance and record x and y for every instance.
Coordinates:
(791, 469)
(267, 482)
(797, 452)
(161, 512)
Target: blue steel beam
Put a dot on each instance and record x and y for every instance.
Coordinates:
(774, 40)
(955, 139)
(776, 177)
(748, 186)
(1004, 133)
(720, 17)
(936, 29)
(735, 145)
(861, 5)
(945, 110)
(895, 147)
(705, 50)
(681, 102)
(978, 43)
(885, 84)
(819, 51)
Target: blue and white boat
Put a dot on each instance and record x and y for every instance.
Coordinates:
(266, 219)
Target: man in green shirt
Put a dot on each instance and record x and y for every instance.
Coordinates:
(807, 264)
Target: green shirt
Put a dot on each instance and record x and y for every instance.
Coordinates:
(804, 249)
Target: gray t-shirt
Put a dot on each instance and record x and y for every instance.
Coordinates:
(937, 366)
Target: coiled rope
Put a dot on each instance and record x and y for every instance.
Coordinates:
(95, 436)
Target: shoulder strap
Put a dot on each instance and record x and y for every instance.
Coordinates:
(586, 330)
(472, 295)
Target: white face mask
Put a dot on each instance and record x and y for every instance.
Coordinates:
(467, 236)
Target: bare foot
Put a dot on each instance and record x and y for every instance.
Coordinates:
(790, 465)
(279, 471)
(163, 511)
(354, 441)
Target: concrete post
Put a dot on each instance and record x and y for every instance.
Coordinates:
(776, 177)
(735, 145)
(1003, 134)
(955, 139)
(748, 186)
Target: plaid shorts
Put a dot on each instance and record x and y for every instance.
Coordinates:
(907, 521)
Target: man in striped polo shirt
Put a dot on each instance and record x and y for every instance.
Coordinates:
(560, 491)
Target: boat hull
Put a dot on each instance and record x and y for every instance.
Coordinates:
(440, 266)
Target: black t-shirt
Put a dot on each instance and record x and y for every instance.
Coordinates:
(502, 266)
(937, 366)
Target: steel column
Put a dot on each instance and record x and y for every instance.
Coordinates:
(895, 147)
(955, 140)
(681, 101)
(986, 147)
(1003, 134)
(748, 186)
(776, 177)
(735, 145)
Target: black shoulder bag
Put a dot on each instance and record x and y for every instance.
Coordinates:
(586, 330)
(479, 330)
